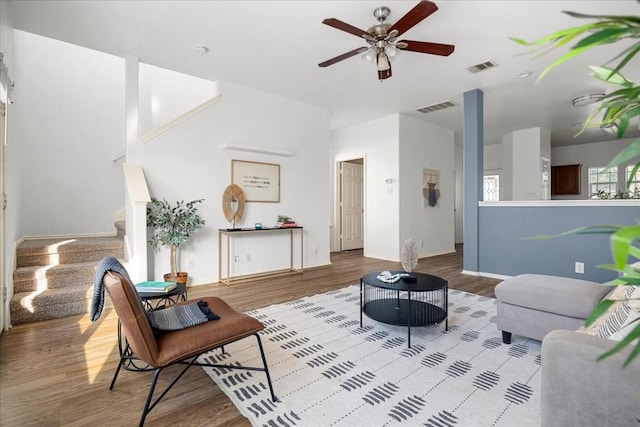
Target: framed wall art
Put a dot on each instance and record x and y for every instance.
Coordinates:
(259, 181)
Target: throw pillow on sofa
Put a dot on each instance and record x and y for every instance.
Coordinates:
(616, 322)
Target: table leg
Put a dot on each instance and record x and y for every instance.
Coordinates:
(408, 319)
(361, 306)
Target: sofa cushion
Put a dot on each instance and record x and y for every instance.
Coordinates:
(616, 322)
(553, 294)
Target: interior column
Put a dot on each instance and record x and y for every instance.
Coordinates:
(473, 158)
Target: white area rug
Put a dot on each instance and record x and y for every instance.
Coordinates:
(328, 371)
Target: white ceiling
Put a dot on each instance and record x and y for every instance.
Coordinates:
(275, 46)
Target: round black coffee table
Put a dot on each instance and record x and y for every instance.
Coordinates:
(418, 301)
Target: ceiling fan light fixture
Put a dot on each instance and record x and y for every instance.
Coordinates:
(370, 54)
(390, 50)
(383, 61)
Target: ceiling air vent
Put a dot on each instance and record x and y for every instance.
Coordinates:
(436, 107)
(481, 67)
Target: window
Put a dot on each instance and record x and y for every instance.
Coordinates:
(603, 180)
(491, 188)
(635, 180)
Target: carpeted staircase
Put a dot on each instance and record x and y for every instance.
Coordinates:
(54, 277)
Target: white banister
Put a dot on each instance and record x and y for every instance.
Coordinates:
(137, 199)
(182, 118)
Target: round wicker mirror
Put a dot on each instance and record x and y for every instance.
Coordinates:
(233, 203)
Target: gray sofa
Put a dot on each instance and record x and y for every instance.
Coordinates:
(577, 390)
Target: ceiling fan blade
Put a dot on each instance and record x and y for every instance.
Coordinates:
(426, 47)
(415, 15)
(343, 56)
(340, 25)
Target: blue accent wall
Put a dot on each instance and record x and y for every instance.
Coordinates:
(505, 250)
(473, 154)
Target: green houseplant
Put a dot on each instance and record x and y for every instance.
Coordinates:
(619, 108)
(173, 226)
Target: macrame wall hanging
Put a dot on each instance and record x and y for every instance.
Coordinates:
(430, 187)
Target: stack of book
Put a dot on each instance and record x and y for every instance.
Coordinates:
(286, 224)
(153, 286)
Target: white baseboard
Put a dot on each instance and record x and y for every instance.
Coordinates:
(489, 275)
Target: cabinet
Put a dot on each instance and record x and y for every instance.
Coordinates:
(565, 179)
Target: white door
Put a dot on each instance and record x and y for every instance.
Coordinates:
(352, 207)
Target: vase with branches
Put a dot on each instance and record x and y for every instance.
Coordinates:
(173, 226)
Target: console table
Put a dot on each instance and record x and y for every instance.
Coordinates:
(230, 233)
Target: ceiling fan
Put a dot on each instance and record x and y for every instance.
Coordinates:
(382, 38)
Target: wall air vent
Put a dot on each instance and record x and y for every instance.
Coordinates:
(481, 67)
(436, 107)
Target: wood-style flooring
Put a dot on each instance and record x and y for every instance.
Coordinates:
(57, 372)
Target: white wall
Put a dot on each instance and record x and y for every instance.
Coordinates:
(425, 146)
(528, 145)
(68, 123)
(13, 222)
(398, 148)
(187, 163)
(377, 142)
(165, 95)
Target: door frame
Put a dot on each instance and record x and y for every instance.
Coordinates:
(337, 214)
(4, 283)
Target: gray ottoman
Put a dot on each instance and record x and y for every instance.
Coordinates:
(533, 305)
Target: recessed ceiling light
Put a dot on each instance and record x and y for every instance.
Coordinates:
(202, 50)
(590, 99)
(523, 75)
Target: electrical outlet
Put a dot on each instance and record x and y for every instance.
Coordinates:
(422, 243)
(248, 257)
(580, 267)
(236, 258)
(191, 264)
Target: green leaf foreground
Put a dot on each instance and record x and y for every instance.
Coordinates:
(619, 108)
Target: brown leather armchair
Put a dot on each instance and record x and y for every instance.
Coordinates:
(182, 346)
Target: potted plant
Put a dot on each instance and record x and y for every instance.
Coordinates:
(173, 226)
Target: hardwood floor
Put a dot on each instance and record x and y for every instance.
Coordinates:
(57, 372)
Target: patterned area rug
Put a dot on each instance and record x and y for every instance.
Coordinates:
(329, 371)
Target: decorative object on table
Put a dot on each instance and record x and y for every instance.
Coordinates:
(173, 226)
(409, 255)
(430, 190)
(389, 277)
(258, 226)
(154, 286)
(259, 181)
(285, 221)
(233, 200)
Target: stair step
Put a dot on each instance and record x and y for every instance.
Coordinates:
(29, 307)
(54, 277)
(44, 252)
(32, 278)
